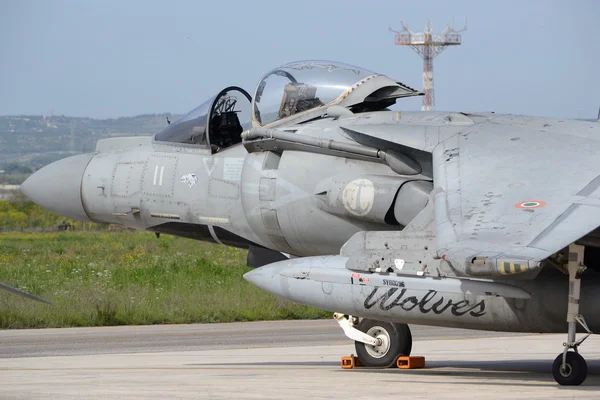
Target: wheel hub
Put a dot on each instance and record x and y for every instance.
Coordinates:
(383, 342)
(565, 370)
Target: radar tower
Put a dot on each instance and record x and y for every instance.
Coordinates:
(428, 45)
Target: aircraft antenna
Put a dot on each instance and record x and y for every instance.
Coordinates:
(428, 45)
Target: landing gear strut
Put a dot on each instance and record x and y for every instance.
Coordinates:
(377, 343)
(570, 368)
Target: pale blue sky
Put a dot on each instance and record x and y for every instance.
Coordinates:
(121, 58)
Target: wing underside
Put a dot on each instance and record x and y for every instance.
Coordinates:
(507, 197)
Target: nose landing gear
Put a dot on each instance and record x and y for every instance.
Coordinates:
(570, 368)
(377, 343)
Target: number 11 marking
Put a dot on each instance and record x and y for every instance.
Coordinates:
(160, 176)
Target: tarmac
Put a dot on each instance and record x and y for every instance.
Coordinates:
(276, 360)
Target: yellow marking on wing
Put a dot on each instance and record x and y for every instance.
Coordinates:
(508, 268)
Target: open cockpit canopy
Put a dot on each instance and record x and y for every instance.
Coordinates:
(300, 86)
(292, 93)
(304, 90)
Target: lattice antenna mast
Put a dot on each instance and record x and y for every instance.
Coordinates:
(428, 45)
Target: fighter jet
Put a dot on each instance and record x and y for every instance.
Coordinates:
(461, 219)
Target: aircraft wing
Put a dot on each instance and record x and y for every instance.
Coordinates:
(507, 197)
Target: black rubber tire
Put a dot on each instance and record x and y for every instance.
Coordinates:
(577, 369)
(400, 343)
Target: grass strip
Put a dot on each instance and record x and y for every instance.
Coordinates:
(123, 278)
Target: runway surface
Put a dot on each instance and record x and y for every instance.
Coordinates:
(275, 360)
(161, 338)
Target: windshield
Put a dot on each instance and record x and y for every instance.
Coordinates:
(189, 129)
(301, 86)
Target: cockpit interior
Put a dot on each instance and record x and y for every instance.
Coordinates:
(224, 126)
(217, 123)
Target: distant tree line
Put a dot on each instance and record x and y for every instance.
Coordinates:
(13, 179)
(16, 168)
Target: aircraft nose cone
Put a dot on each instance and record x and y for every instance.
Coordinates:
(57, 186)
(267, 278)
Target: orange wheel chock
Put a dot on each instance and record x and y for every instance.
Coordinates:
(410, 362)
(350, 362)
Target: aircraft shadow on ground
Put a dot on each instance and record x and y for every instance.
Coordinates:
(273, 364)
(513, 372)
